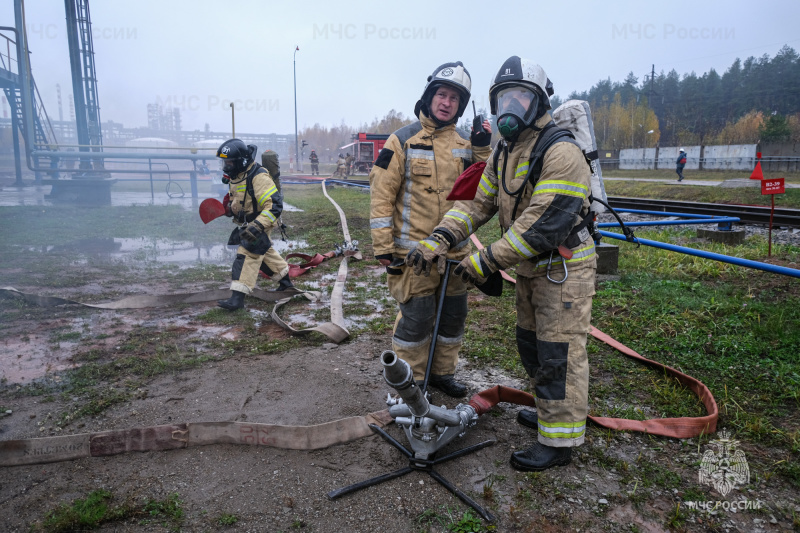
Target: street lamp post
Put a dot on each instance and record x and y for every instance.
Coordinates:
(296, 150)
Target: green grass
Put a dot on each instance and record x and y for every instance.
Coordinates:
(97, 509)
(701, 193)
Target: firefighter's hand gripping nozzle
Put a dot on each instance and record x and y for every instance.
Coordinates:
(427, 427)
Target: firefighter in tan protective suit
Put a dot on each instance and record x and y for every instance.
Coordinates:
(409, 184)
(256, 204)
(543, 205)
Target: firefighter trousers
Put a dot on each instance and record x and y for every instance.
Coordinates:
(248, 262)
(418, 297)
(552, 326)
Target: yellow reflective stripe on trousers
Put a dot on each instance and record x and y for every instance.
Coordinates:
(272, 190)
(487, 187)
(461, 217)
(518, 244)
(562, 430)
(570, 188)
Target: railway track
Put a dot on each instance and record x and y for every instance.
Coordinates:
(748, 214)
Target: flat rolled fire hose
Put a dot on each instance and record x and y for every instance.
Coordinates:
(170, 437)
(144, 301)
(335, 330)
(679, 428)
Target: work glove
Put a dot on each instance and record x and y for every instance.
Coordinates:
(475, 268)
(252, 231)
(431, 250)
(226, 203)
(480, 136)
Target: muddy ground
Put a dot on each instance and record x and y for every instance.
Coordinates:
(269, 489)
(254, 488)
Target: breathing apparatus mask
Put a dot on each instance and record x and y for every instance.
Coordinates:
(517, 108)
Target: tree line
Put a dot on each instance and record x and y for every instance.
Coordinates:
(755, 100)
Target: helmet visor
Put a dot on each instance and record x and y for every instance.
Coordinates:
(226, 166)
(519, 101)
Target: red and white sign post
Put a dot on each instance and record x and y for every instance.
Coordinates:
(772, 187)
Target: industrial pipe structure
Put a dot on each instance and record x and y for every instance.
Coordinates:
(708, 255)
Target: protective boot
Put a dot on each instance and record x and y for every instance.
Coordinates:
(284, 284)
(540, 457)
(528, 418)
(448, 385)
(236, 301)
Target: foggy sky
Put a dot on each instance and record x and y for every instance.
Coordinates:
(357, 60)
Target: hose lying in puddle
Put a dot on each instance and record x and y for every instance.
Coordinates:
(334, 330)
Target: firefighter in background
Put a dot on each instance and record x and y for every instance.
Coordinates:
(255, 204)
(348, 160)
(546, 236)
(273, 262)
(341, 167)
(314, 163)
(409, 184)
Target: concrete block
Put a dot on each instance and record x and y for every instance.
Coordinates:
(607, 258)
(732, 237)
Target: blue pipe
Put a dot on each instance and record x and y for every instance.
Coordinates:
(669, 222)
(663, 213)
(709, 255)
(345, 182)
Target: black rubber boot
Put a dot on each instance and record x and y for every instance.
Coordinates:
(236, 301)
(448, 385)
(284, 284)
(540, 457)
(528, 418)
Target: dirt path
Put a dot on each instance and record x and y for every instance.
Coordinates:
(269, 489)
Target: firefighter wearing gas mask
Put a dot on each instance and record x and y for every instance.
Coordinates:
(255, 204)
(409, 184)
(543, 207)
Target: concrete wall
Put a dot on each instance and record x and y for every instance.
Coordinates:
(730, 157)
(727, 157)
(637, 158)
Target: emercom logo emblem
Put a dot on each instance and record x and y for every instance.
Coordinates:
(724, 466)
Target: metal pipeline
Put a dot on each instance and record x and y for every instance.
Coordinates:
(671, 222)
(709, 255)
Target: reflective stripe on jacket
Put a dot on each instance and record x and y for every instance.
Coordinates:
(410, 181)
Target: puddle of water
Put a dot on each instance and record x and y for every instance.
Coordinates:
(22, 361)
(179, 191)
(162, 251)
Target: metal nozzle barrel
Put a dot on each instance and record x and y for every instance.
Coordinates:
(399, 376)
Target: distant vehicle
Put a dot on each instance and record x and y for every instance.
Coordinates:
(365, 149)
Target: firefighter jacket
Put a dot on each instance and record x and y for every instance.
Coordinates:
(548, 211)
(254, 196)
(410, 181)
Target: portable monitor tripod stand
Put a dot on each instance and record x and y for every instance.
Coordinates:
(428, 428)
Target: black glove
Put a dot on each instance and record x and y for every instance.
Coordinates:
(475, 268)
(479, 136)
(252, 231)
(427, 252)
(384, 257)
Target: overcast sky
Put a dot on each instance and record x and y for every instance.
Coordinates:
(357, 60)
